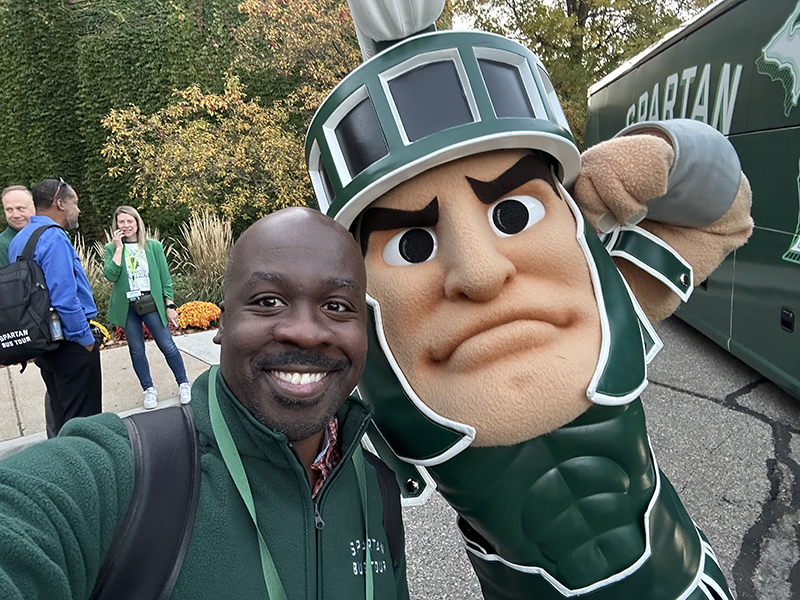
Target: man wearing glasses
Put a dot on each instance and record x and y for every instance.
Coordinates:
(71, 373)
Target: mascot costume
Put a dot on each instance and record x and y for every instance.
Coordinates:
(512, 284)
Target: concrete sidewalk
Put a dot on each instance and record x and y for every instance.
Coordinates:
(22, 420)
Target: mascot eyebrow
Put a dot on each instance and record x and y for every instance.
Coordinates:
(526, 169)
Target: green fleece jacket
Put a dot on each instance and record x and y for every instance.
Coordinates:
(5, 241)
(61, 502)
(160, 282)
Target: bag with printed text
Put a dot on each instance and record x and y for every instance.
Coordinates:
(24, 308)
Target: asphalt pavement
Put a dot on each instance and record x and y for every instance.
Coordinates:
(728, 439)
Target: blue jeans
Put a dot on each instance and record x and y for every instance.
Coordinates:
(163, 338)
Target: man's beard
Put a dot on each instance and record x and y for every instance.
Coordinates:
(335, 395)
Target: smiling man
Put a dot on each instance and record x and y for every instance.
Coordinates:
(279, 441)
(18, 208)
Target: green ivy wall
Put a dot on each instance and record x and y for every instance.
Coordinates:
(64, 64)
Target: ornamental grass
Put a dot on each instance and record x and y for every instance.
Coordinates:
(197, 314)
(202, 257)
(91, 257)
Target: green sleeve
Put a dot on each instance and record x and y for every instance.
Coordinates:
(111, 270)
(5, 242)
(61, 502)
(163, 270)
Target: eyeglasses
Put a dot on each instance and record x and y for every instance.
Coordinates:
(58, 189)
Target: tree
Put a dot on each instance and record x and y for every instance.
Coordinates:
(579, 41)
(209, 152)
(224, 153)
(308, 44)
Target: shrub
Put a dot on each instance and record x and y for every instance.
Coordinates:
(119, 333)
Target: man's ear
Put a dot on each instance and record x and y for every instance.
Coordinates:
(218, 336)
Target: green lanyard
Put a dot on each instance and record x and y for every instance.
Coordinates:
(358, 461)
(233, 462)
(131, 263)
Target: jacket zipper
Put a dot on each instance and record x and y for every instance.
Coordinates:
(347, 455)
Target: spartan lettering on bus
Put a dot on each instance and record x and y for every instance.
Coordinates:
(686, 96)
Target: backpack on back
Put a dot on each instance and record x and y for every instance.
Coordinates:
(24, 308)
(146, 555)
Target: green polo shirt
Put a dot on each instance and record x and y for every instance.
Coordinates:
(5, 239)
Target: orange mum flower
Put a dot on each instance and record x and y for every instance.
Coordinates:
(197, 314)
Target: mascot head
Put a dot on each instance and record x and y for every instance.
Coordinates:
(498, 314)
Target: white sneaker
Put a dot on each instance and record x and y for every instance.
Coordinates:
(150, 398)
(186, 393)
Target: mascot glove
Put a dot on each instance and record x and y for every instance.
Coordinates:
(619, 176)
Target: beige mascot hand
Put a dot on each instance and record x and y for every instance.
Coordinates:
(689, 193)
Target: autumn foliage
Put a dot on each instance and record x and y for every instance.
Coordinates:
(209, 152)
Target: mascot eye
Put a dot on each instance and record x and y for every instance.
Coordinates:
(410, 247)
(515, 214)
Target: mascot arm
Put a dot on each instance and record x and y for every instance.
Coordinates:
(680, 180)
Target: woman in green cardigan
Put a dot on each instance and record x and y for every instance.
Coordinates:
(142, 293)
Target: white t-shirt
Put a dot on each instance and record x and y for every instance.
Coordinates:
(138, 270)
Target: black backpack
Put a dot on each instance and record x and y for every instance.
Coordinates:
(24, 308)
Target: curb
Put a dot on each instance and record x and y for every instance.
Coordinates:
(9, 447)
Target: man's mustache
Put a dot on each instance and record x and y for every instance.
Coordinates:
(298, 358)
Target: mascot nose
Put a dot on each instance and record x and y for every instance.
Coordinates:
(476, 270)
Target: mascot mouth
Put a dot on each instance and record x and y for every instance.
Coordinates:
(478, 342)
(501, 342)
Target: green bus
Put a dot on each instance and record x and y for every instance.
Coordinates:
(736, 67)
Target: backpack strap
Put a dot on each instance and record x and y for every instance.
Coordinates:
(147, 552)
(30, 245)
(392, 514)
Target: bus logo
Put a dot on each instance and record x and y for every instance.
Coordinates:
(780, 61)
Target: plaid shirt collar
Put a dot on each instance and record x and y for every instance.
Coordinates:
(329, 456)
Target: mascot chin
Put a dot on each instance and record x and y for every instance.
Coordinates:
(512, 284)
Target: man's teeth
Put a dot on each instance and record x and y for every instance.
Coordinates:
(299, 378)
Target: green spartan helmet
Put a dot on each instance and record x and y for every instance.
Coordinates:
(425, 101)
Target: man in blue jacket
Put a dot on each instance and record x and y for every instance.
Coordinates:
(71, 373)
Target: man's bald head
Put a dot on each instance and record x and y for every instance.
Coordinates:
(293, 327)
(294, 224)
(18, 206)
